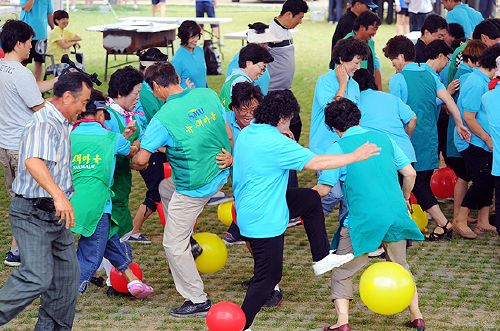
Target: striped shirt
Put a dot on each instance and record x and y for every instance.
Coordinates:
(45, 137)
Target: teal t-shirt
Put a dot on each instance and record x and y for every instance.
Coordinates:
(327, 85)
(262, 81)
(262, 159)
(489, 103)
(37, 17)
(466, 16)
(191, 65)
(233, 125)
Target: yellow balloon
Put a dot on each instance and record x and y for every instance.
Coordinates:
(419, 216)
(224, 213)
(214, 254)
(386, 288)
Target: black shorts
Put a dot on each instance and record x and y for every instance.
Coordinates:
(404, 12)
(156, 2)
(34, 55)
(457, 164)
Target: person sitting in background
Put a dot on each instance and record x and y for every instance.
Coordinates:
(60, 39)
(189, 60)
(462, 14)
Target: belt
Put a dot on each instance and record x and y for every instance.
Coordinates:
(281, 43)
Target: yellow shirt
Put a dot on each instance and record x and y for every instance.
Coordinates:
(53, 48)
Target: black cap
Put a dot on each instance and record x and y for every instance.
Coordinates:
(369, 3)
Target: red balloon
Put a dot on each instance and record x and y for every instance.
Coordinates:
(118, 280)
(233, 212)
(413, 199)
(167, 170)
(443, 183)
(161, 215)
(2, 54)
(225, 316)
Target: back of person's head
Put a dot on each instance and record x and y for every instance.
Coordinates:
(71, 82)
(123, 81)
(433, 23)
(489, 27)
(366, 19)
(97, 102)
(149, 56)
(346, 49)
(59, 14)
(161, 73)
(275, 106)
(295, 7)
(14, 31)
(188, 29)
(488, 60)
(364, 79)
(456, 31)
(432, 51)
(243, 93)
(399, 45)
(255, 54)
(473, 50)
(342, 114)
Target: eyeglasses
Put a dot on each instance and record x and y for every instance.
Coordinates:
(262, 66)
(248, 110)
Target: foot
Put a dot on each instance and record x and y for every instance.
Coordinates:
(483, 228)
(218, 198)
(230, 240)
(196, 249)
(189, 309)
(380, 253)
(139, 289)
(464, 231)
(330, 261)
(417, 323)
(441, 232)
(12, 260)
(138, 238)
(274, 300)
(294, 222)
(111, 292)
(343, 327)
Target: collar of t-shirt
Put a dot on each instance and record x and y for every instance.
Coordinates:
(413, 67)
(354, 130)
(279, 31)
(56, 113)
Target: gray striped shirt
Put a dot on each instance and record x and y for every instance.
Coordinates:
(45, 137)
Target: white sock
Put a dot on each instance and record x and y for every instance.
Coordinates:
(277, 287)
(107, 267)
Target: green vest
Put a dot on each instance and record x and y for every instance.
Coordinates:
(92, 168)
(422, 100)
(149, 102)
(122, 186)
(377, 209)
(453, 61)
(225, 92)
(194, 120)
(368, 64)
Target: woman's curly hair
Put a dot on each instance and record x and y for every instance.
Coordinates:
(275, 106)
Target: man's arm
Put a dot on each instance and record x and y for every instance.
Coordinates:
(477, 129)
(41, 174)
(463, 132)
(28, 5)
(141, 159)
(46, 85)
(50, 20)
(325, 162)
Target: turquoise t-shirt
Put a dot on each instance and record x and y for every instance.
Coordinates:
(262, 159)
(388, 114)
(37, 17)
(489, 104)
(122, 147)
(262, 81)
(470, 100)
(466, 16)
(233, 125)
(320, 136)
(191, 65)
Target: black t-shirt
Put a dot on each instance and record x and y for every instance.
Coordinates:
(344, 26)
(419, 51)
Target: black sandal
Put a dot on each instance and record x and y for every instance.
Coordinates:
(433, 236)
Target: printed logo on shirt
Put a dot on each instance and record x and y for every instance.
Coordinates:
(7, 69)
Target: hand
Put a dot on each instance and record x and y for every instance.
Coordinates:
(289, 134)
(342, 75)
(366, 151)
(133, 150)
(408, 205)
(398, 8)
(162, 150)
(453, 86)
(129, 129)
(27, 6)
(64, 210)
(463, 132)
(189, 83)
(224, 159)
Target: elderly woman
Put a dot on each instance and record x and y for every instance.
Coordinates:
(262, 158)
(189, 60)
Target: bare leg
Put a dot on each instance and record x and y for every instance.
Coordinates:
(129, 275)
(438, 216)
(141, 216)
(342, 309)
(162, 9)
(38, 67)
(407, 25)
(483, 220)
(215, 32)
(414, 308)
(458, 195)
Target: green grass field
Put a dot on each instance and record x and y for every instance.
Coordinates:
(457, 280)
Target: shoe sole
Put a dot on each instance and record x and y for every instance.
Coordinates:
(336, 265)
(12, 264)
(220, 201)
(201, 314)
(292, 224)
(139, 242)
(234, 243)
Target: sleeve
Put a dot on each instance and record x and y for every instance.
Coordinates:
(141, 119)
(54, 36)
(30, 92)
(41, 142)
(376, 62)
(451, 18)
(122, 146)
(293, 156)
(325, 91)
(397, 87)
(179, 67)
(471, 98)
(439, 83)
(331, 177)
(400, 158)
(156, 136)
(112, 124)
(50, 9)
(405, 112)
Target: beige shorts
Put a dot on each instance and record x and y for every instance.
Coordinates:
(9, 160)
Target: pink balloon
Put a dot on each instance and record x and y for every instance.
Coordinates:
(225, 316)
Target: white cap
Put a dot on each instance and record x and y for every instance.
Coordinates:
(261, 38)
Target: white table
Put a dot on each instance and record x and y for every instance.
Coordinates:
(242, 35)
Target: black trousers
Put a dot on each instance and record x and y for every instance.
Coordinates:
(268, 252)
(478, 164)
(152, 176)
(296, 128)
(422, 189)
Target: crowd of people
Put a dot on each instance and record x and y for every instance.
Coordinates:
(370, 149)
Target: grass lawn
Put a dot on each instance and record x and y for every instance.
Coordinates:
(457, 280)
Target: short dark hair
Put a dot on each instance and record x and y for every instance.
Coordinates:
(162, 73)
(254, 53)
(342, 114)
(71, 82)
(433, 23)
(276, 105)
(473, 50)
(364, 79)
(489, 27)
(295, 7)
(488, 59)
(14, 31)
(59, 14)
(186, 30)
(243, 93)
(399, 45)
(366, 19)
(123, 80)
(96, 96)
(432, 51)
(457, 32)
(346, 49)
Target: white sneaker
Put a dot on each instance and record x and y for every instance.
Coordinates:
(330, 261)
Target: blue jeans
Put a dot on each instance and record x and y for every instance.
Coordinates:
(92, 249)
(203, 7)
(338, 6)
(334, 198)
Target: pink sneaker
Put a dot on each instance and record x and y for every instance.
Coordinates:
(139, 289)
